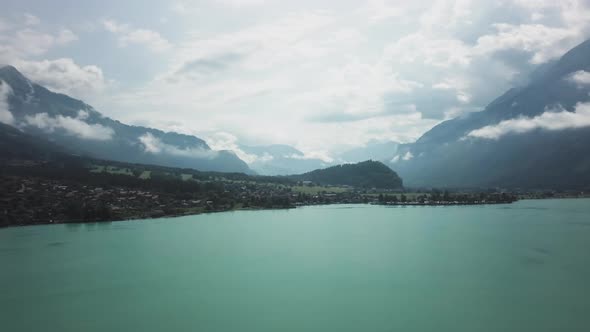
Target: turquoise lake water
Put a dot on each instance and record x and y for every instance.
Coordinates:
(519, 267)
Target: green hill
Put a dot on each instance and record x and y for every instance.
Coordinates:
(366, 174)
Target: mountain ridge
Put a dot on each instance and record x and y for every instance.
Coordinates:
(79, 127)
(444, 157)
(280, 159)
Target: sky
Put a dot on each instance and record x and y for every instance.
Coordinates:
(322, 76)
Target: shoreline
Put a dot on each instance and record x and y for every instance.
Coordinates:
(176, 215)
(399, 204)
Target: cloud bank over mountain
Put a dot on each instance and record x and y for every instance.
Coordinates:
(558, 119)
(320, 76)
(154, 145)
(75, 126)
(5, 114)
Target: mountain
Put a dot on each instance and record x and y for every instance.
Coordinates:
(16, 145)
(534, 136)
(79, 128)
(278, 159)
(366, 174)
(374, 150)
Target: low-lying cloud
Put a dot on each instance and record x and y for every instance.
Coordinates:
(581, 78)
(65, 76)
(559, 119)
(321, 155)
(5, 114)
(226, 141)
(405, 157)
(154, 145)
(128, 35)
(72, 126)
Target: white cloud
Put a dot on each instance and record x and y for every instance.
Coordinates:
(325, 76)
(543, 42)
(455, 112)
(128, 35)
(266, 157)
(537, 16)
(83, 115)
(382, 10)
(31, 19)
(4, 25)
(446, 14)
(419, 48)
(580, 77)
(154, 145)
(64, 76)
(264, 46)
(65, 36)
(242, 3)
(178, 8)
(554, 28)
(147, 37)
(356, 91)
(72, 126)
(320, 154)
(549, 120)
(32, 42)
(28, 42)
(114, 27)
(405, 157)
(227, 141)
(5, 114)
(459, 86)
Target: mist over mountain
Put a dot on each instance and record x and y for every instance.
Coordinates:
(280, 159)
(79, 128)
(376, 150)
(534, 136)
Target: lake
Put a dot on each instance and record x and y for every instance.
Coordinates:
(519, 267)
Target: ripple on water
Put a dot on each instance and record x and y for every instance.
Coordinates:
(532, 261)
(543, 251)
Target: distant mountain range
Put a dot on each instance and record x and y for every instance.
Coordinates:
(375, 150)
(74, 127)
(18, 148)
(535, 136)
(279, 159)
(80, 129)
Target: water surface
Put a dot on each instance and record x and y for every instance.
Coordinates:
(520, 267)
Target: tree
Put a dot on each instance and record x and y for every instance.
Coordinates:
(446, 196)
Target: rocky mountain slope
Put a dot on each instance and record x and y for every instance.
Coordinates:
(81, 129)
(535, 136)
